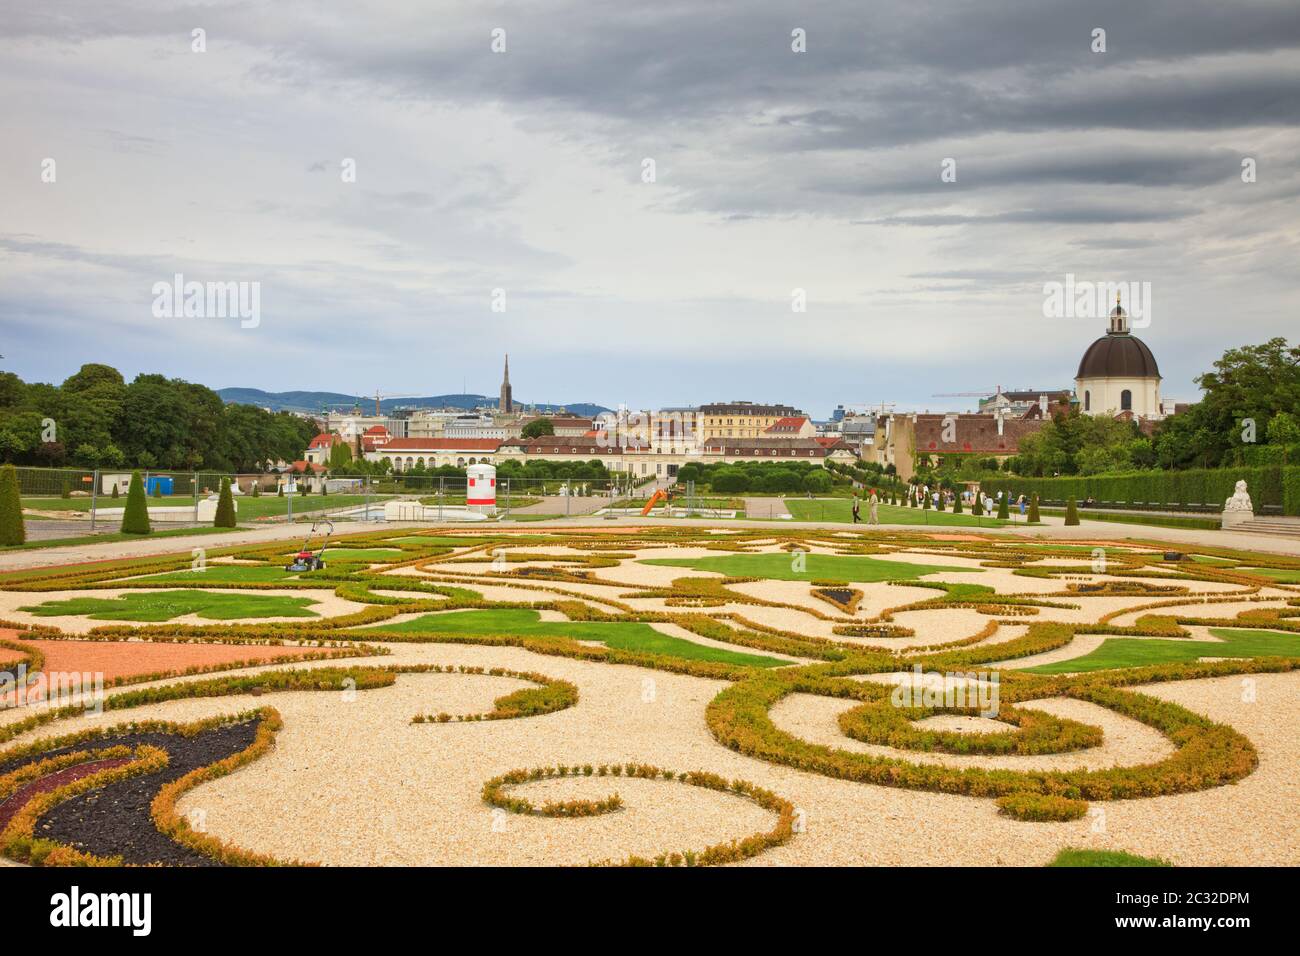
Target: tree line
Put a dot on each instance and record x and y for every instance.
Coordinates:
(96, 419)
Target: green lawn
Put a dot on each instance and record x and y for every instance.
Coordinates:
(1075, 857)
(219, 574)
(354, 555)
(620, 635)
(1117, 652)
(1280, 575)
(841, 510)
(165, 605)
(779, 566)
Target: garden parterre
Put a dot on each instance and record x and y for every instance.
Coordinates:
(693, 698)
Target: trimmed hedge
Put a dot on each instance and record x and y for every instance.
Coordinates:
(1268, 486)
(135, 517)
(11, 508)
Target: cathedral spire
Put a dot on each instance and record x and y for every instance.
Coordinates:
(507, 403)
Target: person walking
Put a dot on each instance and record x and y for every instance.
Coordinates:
(875, 512)
(857, 512)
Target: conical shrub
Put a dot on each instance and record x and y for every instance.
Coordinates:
(978, 509)
(1003, 511)
(135, 519)
(225, 507)
(1071, 512)
(12, 530)
(1034, 517)
(956, 505)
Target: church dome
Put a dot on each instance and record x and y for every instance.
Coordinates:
(1118, 353)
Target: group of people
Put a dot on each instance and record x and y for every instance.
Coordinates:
(873, 514)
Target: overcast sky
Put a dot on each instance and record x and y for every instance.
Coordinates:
(523, 171)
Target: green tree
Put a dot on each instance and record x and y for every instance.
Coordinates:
(537, 428)
(12, 530)
(225, 507)
(135, 519)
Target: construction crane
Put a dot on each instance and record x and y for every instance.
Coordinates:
(379, 397)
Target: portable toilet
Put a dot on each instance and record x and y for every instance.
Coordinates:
(481, 489)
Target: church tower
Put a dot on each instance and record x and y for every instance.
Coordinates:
(1118, 373)
(507, 405)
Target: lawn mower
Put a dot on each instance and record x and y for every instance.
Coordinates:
(305, 559)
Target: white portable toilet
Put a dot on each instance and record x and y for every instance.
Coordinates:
(481, 489)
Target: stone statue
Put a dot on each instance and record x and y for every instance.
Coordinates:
(1240, 500)
(1238, 508)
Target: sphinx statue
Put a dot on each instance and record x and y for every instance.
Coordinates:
(1238, 508)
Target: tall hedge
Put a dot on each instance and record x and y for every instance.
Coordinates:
(135, 519)
(1272, 486)
(225, 507)
(11, 508)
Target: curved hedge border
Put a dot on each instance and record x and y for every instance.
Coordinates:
(494, 794)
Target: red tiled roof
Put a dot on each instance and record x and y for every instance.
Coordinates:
(324, 440)
(307, 466)
(376, 430)
(442, 444)
(787, 424)
(976, 434)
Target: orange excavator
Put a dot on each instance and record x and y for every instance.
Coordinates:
(658, 496)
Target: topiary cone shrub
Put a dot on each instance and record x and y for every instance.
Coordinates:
(11, 508)
(938, 505)
(157, 489)
(1034, 517)
(925, 502)
(225, 507)
(1071, 512)
(279, 490)
(956, 505)
(257, 489)
(302, 488)
(978, 509)
(135, 519)
(1003, 512)
(116, 493)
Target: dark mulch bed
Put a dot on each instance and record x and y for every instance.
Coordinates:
(115, 820)
(838, 595)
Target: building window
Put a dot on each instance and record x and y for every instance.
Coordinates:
(1126, 401)
(1087, 401)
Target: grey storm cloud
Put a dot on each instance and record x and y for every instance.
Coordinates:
(522, 170)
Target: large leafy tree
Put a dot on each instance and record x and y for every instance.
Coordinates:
(153, 422)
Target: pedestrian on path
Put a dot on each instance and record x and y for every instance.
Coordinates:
(875, 513)
(857, 512)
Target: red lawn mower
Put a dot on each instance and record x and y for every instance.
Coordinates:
(306, 559)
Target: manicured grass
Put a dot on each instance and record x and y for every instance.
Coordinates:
(779, 566)
(1280, 575)
(627, 636)
(841, 510)
(165, 605)
(1071, 856)
(355, 555)
(218, 574)
(1138, 652)
(443, 541)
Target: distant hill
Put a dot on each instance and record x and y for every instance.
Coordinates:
(318, 401)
